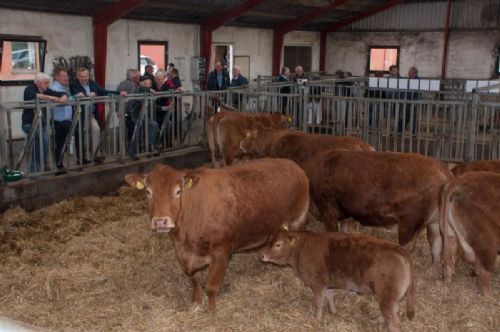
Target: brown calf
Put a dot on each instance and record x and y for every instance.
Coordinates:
(362, 264)
(470, 220)
(379, 189)
(227, 128)
(211, 213)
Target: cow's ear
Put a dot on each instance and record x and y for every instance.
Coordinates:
(190, 182)
(135, 181)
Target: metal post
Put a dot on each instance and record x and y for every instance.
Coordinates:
(122, 130)
(472, 128)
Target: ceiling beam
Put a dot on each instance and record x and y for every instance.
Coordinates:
(220, 19)
(370, 12)
(115, 11)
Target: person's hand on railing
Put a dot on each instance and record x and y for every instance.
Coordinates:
(123, 93)
(92, 95)
(179, 89)
(80, 94)
(63, 99)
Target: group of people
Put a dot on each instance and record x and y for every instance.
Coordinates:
(61, 90)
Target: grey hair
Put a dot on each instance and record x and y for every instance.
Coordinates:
(131, 73)
(41, 77)
(160, 73)
(237, 67)
(284, 69)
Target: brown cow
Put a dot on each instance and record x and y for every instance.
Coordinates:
(379, 189)
(363, 264)
(227, 128)
(477, 166)
(211, 213)
(295, 145)
(470, 219)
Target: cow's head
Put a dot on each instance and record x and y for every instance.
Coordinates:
(248, 145)
(279, 249)
(164, 187)
(280, 121)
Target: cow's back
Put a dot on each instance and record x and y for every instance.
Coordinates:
(477, 166)
(246, 202)
(378, 187)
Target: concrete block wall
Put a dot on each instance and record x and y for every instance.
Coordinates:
(470, 53)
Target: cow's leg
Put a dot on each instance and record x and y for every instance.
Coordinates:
(389, 310)
(484, 272)
(196, 280)
(331, 303)
(211, 140)
(319, 293)
(435, 242)
(349, 225)
(407, 232)
(330, 215)
(230, 153)
(216, 271)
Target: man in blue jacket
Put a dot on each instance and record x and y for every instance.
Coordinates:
(85, 87)
(218, 79)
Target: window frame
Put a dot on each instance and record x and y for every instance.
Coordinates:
(152, 42)
(23, 38)
(497, 67)
(381, 47)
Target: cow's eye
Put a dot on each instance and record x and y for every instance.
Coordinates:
(177, 193)
(277, 245)
(149, 193)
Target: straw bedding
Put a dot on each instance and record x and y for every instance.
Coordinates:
(92, 264)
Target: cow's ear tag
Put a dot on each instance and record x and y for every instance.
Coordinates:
(291, 241)
(189, 183)
(285, 227)
(289, 119)
(139, 185)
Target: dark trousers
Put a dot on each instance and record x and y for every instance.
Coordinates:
(61, 129)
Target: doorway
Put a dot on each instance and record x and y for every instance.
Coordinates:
(224, 54)
(297, 55)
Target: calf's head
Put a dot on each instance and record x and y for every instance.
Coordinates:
(279, 248)
(164, 187)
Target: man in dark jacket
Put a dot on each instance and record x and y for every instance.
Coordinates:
(284, 78)
(39, 90)
(238, 81)
(85, 87)
(218, 79)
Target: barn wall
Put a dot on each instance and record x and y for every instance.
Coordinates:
(470, 53)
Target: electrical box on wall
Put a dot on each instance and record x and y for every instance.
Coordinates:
(198, 67)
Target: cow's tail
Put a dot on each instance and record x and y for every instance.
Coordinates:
(444, 205)
(410, 292)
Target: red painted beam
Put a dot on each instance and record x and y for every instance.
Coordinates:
(446, 38)
(361, 16)
(297, 22)
(220, 19)
(322, 51)
(101, 20)
(115, 11)
(278, 39)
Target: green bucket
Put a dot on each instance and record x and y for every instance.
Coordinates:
(11, 175)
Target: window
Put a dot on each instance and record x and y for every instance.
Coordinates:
(381, 58)
(152, 53)
(498, 62)
(20, 59)
(297, 55)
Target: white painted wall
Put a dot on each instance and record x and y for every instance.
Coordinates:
(470, 53)
(123, 36)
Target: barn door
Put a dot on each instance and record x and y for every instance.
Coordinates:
(298, 55)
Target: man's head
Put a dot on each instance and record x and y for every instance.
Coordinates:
(174, 72)
(61, 75)
(285, 71)
(148, 69)
(133, 75)
(413, 72)
(218, 66)
(393, 71)
(299, 71)
(170, 66)
(83, 76)
(159, 78)
(42, 81)
(236, 71)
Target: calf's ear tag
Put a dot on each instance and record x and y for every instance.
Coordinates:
(189, 183)
(285, 227)
(139, 185)
(289, 119)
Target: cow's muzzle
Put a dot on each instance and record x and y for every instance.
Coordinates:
(162, 224)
